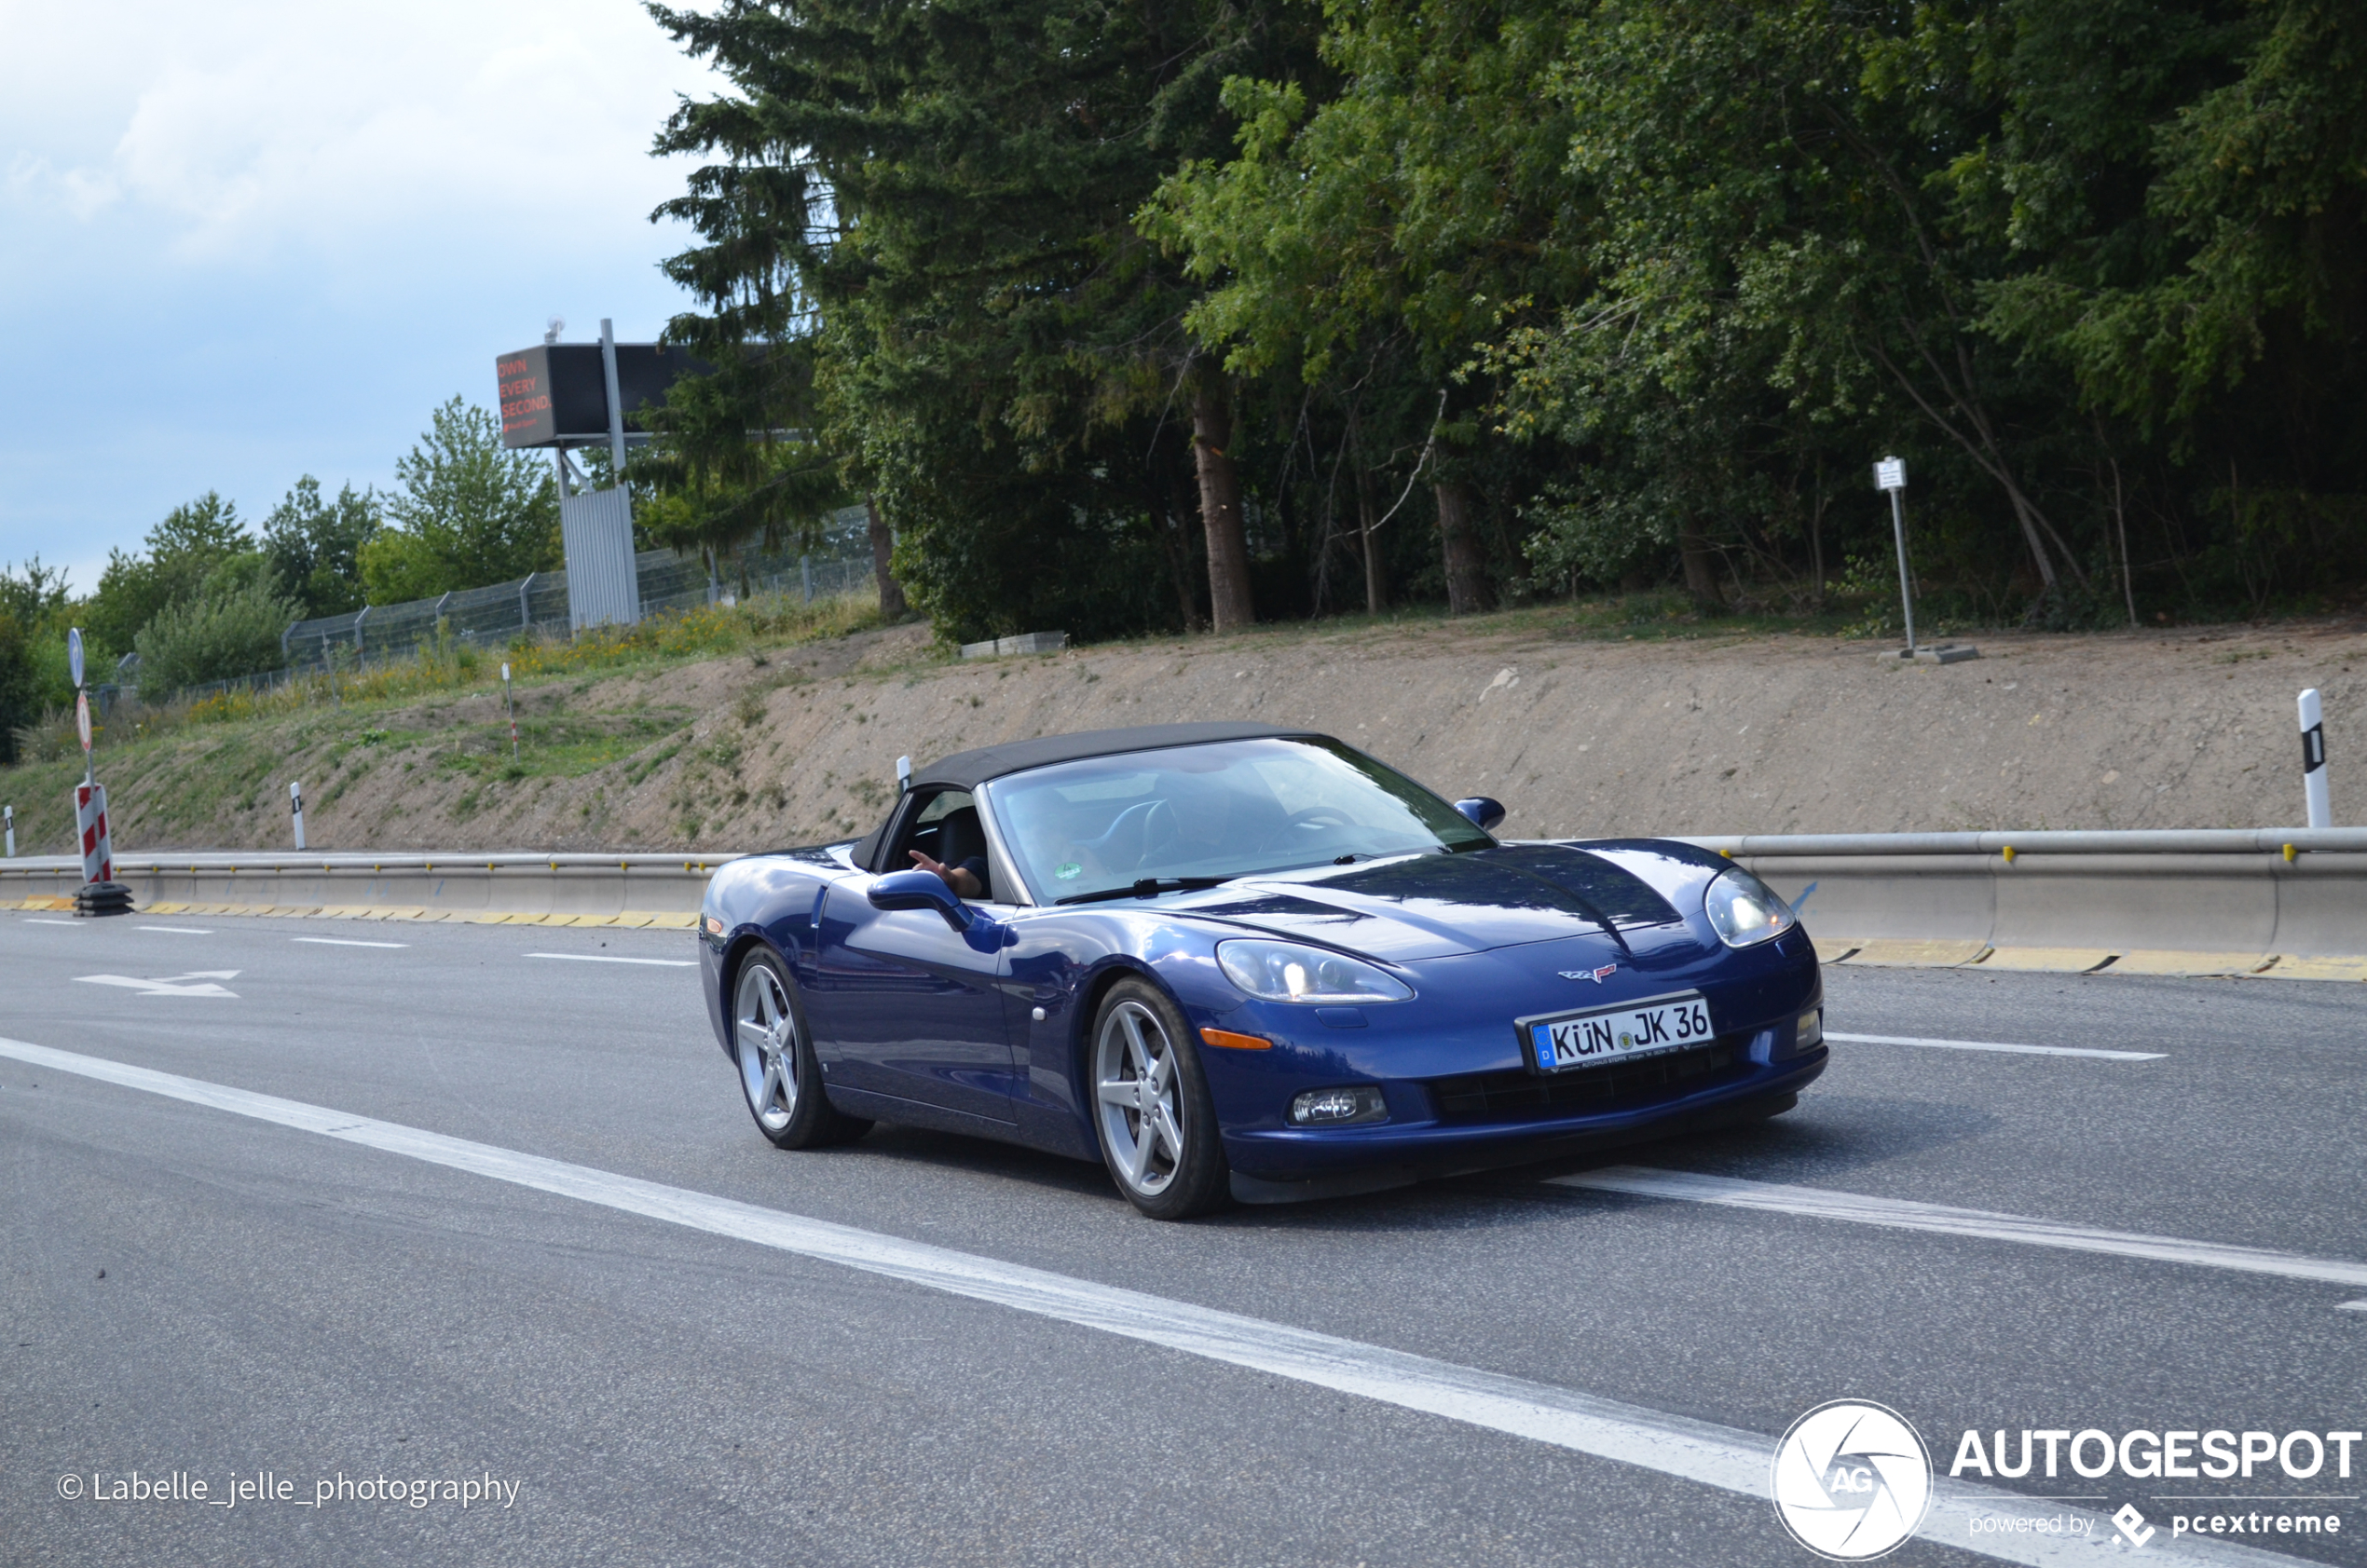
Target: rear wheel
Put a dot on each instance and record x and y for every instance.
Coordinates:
(1151, 1107)
(779, 1075)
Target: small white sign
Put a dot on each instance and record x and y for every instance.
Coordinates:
(505, 675)
(82, 717)
(1891, 474)
(73, 653)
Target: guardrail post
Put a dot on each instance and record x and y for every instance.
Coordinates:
(2313, 761)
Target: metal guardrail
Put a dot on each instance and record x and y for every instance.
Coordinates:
(431, 882)
(2205, 840)
(2237, 896)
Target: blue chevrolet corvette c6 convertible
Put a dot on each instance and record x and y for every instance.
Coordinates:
(1235, 960)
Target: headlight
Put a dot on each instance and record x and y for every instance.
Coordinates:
(1745, 909)
(1291, 971)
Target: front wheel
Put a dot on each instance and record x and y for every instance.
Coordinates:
(1157, 1123)
(778, 1073)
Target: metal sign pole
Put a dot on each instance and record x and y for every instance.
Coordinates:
(510, 702)
(1890, 474)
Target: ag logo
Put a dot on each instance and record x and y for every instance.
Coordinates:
(1851, 1481)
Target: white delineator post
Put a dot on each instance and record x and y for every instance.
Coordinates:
(1890, 474)
(8, 816)
(2312, 760)
(903, 776)
(295, 809)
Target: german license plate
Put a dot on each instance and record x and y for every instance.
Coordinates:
(1640, 1028)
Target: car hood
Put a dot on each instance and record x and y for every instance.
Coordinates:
(1434, 906)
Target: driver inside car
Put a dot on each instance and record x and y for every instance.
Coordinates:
(962, 843)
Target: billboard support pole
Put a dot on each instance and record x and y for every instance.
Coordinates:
(616, 402)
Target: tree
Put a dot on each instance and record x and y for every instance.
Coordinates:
(1406, 205)
(33, 676)
(942, 197)
(182, 550)
(734, 456)
(315, 545)
(468, 514)
(231, 629)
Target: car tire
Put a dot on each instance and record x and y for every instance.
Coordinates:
(780, 1078)
(1161, 1143)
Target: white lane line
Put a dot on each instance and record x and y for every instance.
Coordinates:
(34, 919)
(603, 958)
(1993, 1045)
(1901, 1214)
(176, 930)
(345, 942)
(1724, 1457)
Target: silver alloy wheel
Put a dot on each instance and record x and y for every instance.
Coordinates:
(767, 1037)
(1142, 1104)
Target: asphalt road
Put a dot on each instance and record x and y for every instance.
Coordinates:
(197, 1288)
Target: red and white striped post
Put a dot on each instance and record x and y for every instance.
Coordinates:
(90, 824)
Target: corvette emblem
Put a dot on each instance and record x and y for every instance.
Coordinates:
(1597, 975)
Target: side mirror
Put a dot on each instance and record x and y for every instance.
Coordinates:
(1485, 813)
(920, 890)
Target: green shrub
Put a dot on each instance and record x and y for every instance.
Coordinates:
(232, 630)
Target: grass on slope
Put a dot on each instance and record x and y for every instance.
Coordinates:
(191, 765)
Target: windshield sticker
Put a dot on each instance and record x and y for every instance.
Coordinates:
(1068, 871)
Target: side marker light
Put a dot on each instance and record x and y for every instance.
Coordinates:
(1226, 1040)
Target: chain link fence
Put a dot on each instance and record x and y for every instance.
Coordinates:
(537, 605)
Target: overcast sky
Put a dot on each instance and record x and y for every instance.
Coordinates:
(249, 239)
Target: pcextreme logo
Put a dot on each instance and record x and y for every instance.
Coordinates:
(1851, 1481)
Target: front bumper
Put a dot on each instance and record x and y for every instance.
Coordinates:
(1453, 1072)
(1434, 1147)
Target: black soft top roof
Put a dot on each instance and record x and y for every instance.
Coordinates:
(967, 769)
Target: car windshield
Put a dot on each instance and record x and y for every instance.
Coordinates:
(1225, 810)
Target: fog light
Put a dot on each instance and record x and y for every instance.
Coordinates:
(1339, 1107)
(1812, 1030)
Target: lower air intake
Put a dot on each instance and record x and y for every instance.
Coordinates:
(1521, 1096)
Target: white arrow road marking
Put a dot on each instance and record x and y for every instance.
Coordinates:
(1904, 1214)
(175, 985)
(1724, 1457)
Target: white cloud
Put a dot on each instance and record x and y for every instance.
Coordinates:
(239, 129)
(246, 240)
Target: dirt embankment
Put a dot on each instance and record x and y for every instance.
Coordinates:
(1751, 734)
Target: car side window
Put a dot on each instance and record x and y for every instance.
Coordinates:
(945, 828)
